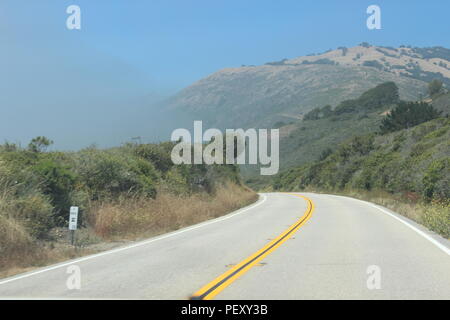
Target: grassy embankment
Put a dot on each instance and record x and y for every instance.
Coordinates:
(124, 194)
(407, 171)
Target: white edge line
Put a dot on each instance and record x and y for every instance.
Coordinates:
(142, 243)
(420, 232)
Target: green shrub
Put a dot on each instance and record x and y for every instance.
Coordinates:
(35, 213)
(436, 180)
(158, 154)
(107, 174)
(437, 218)
(57, 182)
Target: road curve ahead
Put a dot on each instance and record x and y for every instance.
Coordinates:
(285, 246)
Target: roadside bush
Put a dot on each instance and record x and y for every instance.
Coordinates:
(436, 217)
(57, 182)
(35, 213)
(107, 174)
(436, 180)
(176, 181)
(158, 154)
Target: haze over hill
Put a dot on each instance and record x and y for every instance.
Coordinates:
(260, 96)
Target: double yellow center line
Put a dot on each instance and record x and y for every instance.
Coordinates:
(210, 290)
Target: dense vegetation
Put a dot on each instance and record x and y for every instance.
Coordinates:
(37, 189)
(382, 95)
(409, 156)
(408, 114)
(415, 160)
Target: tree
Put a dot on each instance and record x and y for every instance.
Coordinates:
(39, 144)
(9, 147)
(408, 114)
(312, 115)
(434, 87)
(380, 96)
(383, 95)
(319, 113)
(344, 51)
(57, 182)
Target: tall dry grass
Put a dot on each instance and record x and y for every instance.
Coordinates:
(15, 243)
(143, 217)
(124, 219)
(20, 252)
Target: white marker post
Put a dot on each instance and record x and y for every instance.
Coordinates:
(73, 222)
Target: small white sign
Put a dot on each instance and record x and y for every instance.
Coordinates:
(73, 218)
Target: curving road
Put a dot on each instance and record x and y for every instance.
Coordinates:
(285, 246)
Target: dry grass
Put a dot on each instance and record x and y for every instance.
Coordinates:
(433, 215)
(126, 219)
(40, 255)
(143, 217)
(19, 251)
(410, 209)
(15, 243)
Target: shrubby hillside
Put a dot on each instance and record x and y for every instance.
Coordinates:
(411, 160)
(284, 91)
(126, 192)
(323, 128)
(412, 164)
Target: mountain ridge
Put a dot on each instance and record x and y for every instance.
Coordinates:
(260, 96)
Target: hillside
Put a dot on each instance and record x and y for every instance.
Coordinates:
(415, 160)
(320, 132)
(412, 165)
(423, 64)
(306, 140)
(261, 96)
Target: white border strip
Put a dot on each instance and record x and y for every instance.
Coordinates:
(138, 244)
(409, 225)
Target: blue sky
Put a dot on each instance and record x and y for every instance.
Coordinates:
(176, 42)
(133, 50)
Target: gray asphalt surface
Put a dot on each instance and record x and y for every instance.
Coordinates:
(327, 258)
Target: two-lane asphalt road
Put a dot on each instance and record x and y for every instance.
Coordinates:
(285, 246)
